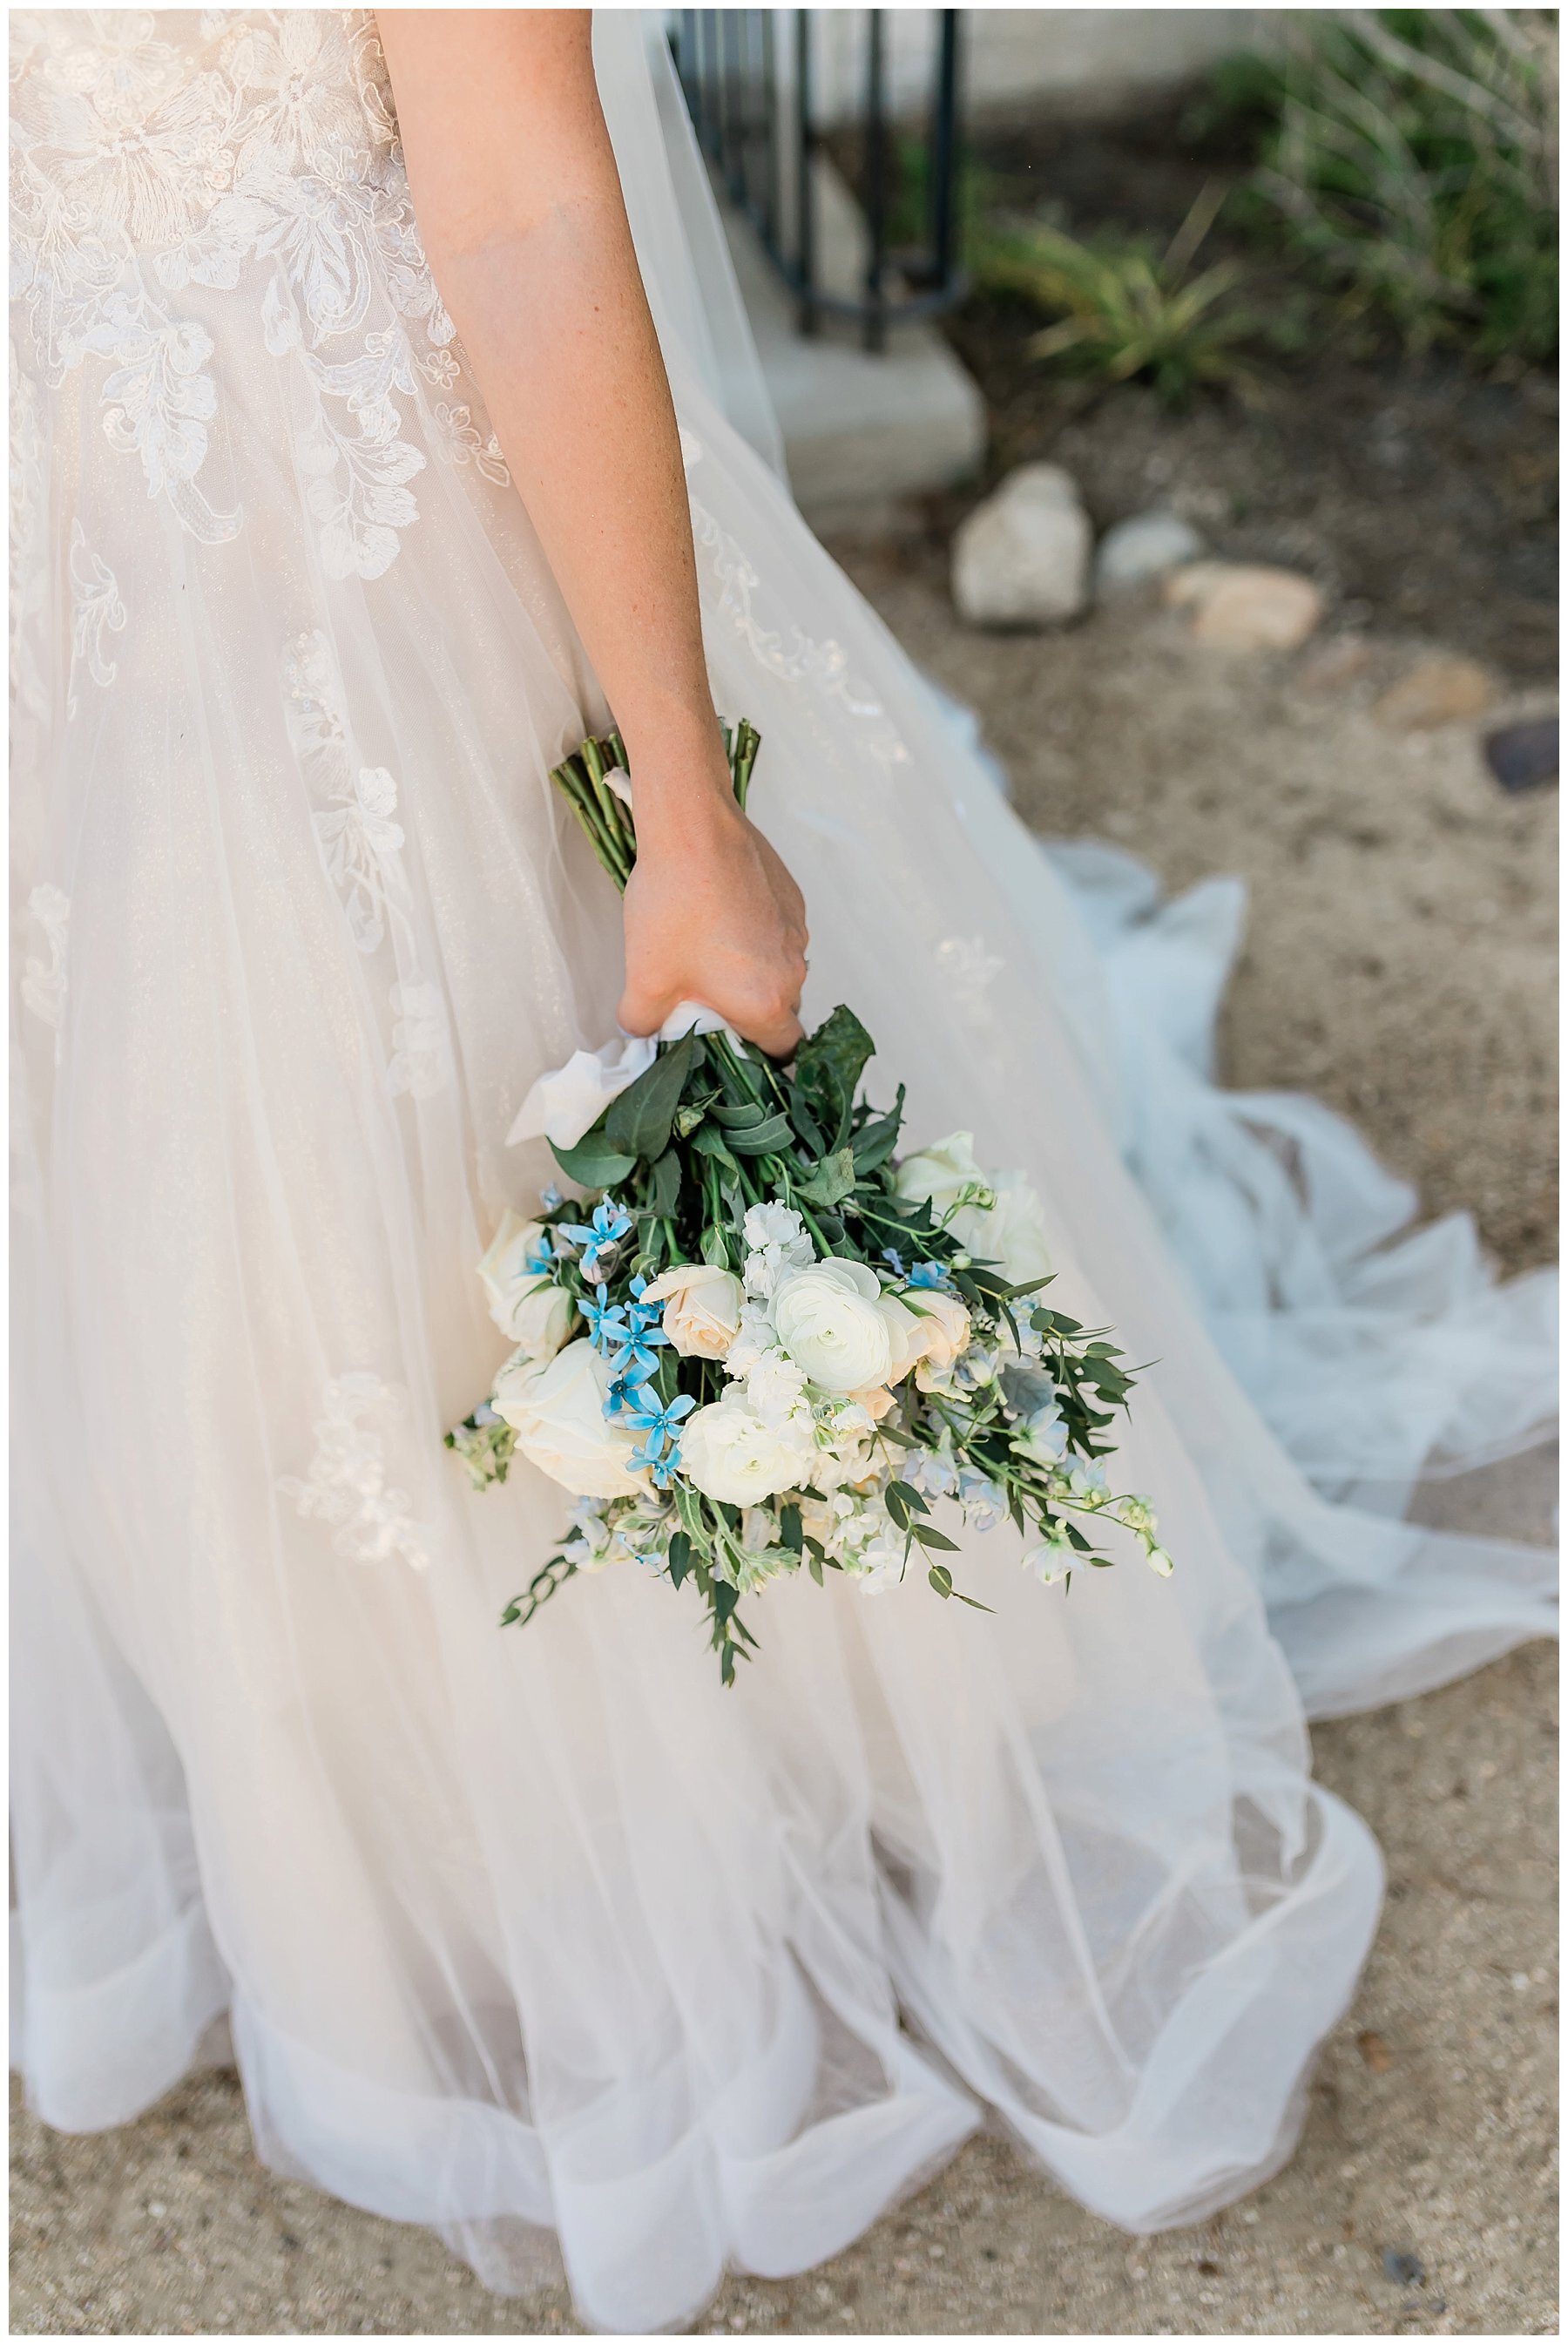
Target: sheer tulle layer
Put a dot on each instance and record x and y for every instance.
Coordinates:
(543, 1932)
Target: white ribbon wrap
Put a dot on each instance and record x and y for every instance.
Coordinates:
(562, 1107)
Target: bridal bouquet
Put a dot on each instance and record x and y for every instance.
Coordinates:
(764, 1341)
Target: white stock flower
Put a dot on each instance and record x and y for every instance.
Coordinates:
(730, 1454)
(701, 1308)
(830, 1321)
(556, 1410)
(777, 1241)
(775, 1385)
(754, 1340)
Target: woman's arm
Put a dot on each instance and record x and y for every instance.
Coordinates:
(519, 205)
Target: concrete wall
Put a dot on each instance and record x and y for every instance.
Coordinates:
(1082, 59)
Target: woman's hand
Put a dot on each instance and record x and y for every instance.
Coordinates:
(712, 915)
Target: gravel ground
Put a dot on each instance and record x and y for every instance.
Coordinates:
(1399, 965)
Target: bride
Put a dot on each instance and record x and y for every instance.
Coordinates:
(382, 420)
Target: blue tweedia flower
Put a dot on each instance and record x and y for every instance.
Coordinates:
(891, 1253)
(628, 1391)
(928, 1273)
(636, 1355)
(552, 1198)
(601, 1234)
(606, 1320)
(660, 1451)
(541, 1256)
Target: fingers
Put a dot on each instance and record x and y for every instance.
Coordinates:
(779, 1036)
(643, 1010)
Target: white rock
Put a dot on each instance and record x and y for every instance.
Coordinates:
(1241, 606)
(1145, 547)
(1021, 557)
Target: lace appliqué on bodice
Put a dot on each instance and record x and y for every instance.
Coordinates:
(158, 160)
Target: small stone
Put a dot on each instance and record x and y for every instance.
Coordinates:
(1524, 756)
(1243, 607)
(1147, 546)
(1405, 2271)
(1021, 557)
(1436, 692)
(1338, 663)
(1375, 2052)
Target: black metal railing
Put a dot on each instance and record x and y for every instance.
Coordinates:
(748, 76)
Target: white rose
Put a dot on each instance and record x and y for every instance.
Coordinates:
(556, 1410)
(944, 1328)
(941, 1174)
(1011, 1231)
(831, 1320)
(905, 1334)
(730, 1454)
(701, 1308)
(510, 1275)
(541, 1319)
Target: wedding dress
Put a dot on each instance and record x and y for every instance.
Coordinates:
(541, 1935)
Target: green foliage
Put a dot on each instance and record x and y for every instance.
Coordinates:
(1121, 309)
(1412, 154)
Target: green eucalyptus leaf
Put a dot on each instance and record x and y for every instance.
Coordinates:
(828, 1069)
(831, 1181)
(638, 1122)
(762, 1138)
(593, 1163)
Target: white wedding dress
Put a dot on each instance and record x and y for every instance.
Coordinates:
(540, 1935)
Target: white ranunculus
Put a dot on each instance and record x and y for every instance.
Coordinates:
(556, 1410)
(701, 1308)
(731, 1454)
(831, 1320)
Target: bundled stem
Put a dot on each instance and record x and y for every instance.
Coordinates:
(597, 785)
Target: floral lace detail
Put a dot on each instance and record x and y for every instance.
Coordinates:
(361, 847)
(95, 604)
(143, 167)
(794, 657)
(43, 982)
(465, 443)
(346, 1482)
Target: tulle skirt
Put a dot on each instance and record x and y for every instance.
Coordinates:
(541, 1935)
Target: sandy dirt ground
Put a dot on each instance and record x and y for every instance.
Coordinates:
(1399, 964)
